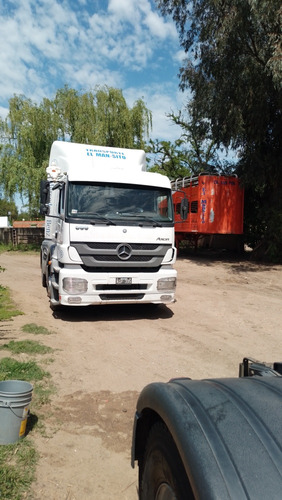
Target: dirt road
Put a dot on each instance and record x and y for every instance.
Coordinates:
(104, 356)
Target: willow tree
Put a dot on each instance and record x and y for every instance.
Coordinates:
(26, 139)
(101, 117)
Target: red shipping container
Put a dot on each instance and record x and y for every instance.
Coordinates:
(215, 205)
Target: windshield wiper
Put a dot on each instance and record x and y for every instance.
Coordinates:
(95, 218)
(151, 221)
(101, 218)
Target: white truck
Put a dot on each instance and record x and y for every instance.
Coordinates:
(109, 228)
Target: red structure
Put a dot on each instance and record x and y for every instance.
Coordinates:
(215, 206)
(28, 223)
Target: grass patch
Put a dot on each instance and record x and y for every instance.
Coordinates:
(35, 329)
(21, 247)
(29, 371)
(18, 460)
(27, 347)
(7, 308)
(41, 393)
(5, 248)
(17, 469)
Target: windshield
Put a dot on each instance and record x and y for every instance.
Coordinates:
(117, 203)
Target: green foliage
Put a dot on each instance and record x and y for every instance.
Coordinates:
(18, 461)
(198, 146)
(29, 371)
(21, 247)
(26, 346)
(42, 392)
(8, 208)
(17, 468)
(234, 73)
(169, 159)
(99, 117)
(7, 308)
(35, 329)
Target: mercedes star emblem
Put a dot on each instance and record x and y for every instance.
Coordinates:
(124, 252)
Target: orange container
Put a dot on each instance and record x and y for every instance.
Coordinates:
(216, 205)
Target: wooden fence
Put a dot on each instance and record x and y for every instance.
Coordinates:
(21, 235)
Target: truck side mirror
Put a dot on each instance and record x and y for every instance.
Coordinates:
(184, 208)
(44, 196)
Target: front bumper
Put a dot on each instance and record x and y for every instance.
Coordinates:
(104, 288)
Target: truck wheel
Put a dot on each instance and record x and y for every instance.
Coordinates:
(161, 472)
(48, 283)
(43, 275)
(44, 281)
(51, 295)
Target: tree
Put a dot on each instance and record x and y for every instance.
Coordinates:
(169, 159)
(198, 145)
(28, 136)
(9, 209)
(101, 117)
(234, 71)
(194, 153)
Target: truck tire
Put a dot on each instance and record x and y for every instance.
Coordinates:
(50, 294)
(43, 276)
(43, 280)
(161, 473)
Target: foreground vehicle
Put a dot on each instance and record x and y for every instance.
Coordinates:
(109, 228)
(211, 439)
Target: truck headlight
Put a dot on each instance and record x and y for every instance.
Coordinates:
(167, 284)
(75, 286)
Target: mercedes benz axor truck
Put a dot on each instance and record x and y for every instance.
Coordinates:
(109, 228)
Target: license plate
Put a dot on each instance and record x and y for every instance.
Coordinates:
(123, 281)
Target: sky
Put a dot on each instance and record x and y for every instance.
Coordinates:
(125, 44)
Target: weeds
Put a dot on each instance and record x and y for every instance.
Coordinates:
(18, 460)
(35, 329)
(29, 371)
(21, 247)
(7, 308)
(42, 393)
(27, 347)
(15, 476)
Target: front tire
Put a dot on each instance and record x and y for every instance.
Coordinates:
(161, 472)
(43, 280)
(52, 293)
(43, 275)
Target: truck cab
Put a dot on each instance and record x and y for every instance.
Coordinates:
(109, 228)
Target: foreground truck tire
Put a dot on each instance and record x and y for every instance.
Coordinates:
(161, 472)
(211, 439)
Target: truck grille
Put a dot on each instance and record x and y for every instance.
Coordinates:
(120, 256)
(122, 296)
(115, 258)
(136, 286)
(113, 246)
